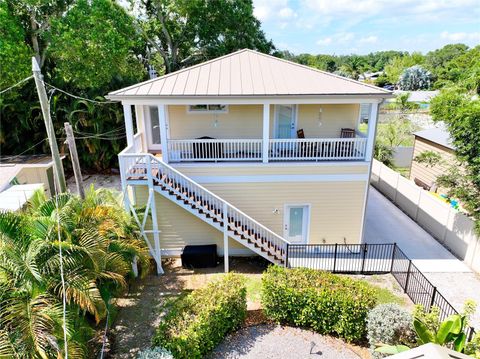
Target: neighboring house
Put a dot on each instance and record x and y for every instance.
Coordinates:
(421, 98)
(21, 176)
(249, 152)
(435, 140)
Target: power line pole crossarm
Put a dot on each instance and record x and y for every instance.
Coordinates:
(75, 162)
(42, 96)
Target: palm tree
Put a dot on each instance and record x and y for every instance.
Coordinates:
(99, 241)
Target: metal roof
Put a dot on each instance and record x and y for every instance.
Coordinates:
(430, 351)
(249, 73)
(15, 197)
(436, 135)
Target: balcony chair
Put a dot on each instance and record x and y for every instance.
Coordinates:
(307, 149)
(346, 148)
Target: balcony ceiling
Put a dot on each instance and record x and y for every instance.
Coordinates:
(247, 73)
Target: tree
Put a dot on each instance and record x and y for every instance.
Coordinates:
(397, 65)
(459, 109)
(436, 61)
(14, 53)
(90, 52)
(99, 241)
(415, 78)
(354, 66)
(185, 32)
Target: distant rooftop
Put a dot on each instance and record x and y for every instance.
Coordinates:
(249, 73)
(436, 135)
(418, 96)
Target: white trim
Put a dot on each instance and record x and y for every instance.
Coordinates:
(293, 131)
(321, 163)
(281, 100)
(206, 112)
(265, 132)
(282, 178)
(306, 224)
(372, 127)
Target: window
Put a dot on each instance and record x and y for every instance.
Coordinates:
(207, 108)
(154, 126)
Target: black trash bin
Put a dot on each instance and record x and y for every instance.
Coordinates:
(204, 256)
(207, 150)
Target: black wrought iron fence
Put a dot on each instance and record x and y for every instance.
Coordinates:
(372, 259)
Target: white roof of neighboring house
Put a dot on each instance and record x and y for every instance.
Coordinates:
(15, 197)
(436, 135)
(418, 96)
(249, 73)
(430, 351)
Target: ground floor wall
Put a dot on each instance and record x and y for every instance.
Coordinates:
(336, 204)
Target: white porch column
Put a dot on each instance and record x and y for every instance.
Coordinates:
(266, 132)
(127, 114)
(372, 128)
(162, 121)
(140, 120)
(225, 239)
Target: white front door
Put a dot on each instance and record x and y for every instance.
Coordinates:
(285, 121)
(153, 128)
(296, 223)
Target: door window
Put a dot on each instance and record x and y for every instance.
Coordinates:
(154, 125)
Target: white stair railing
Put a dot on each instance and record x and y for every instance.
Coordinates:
(204, 200)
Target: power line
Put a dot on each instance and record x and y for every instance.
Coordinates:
(17, 84)
(79, 97)
(28, 149)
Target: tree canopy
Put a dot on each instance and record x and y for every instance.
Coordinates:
(185, 32)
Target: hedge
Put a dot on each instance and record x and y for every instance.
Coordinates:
(196, 323)
(324, 302)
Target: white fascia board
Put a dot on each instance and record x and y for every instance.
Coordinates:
(248, 100)
(320, 163)
(282, 178)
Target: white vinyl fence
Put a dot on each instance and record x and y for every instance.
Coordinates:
(451, 228)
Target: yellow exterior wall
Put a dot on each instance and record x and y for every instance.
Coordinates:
(294, 168)
(245, 121)
(336, 211)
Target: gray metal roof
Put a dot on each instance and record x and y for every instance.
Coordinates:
(436, 135)
(248, 73)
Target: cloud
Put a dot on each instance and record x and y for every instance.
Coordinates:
(369, 39)
(286, 13)
(324, 41)
(266, 10)
(461, 36)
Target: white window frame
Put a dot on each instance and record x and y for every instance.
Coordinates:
(286, 219)
(148, 130)
(207, 111)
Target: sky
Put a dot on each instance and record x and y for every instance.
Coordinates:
(364, 26)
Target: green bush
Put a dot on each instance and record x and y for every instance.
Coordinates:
(324, 302)
(197, 323)
(389, 324)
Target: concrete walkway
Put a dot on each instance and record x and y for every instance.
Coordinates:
(386, 223)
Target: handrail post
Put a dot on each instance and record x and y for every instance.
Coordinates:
(364, 246)
(286, 255)
(408, 276)
(432, 300)
(335, 258)
(393, 256)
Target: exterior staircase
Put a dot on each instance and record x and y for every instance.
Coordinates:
(210, 208)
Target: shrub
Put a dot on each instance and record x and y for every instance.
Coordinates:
(389, 324)
(324, 302)
(196, 323)
(415, 78)
(155, 353)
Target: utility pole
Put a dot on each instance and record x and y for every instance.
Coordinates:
(74, 157)
(42, 96)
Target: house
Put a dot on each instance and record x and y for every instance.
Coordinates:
(249, 152)
(435, 140)
(21, 176)
(421, 98)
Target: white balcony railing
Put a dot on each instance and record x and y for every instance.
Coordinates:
(317, 149)
(214, 150)
(308, 149)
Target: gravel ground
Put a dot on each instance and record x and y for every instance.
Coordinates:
(98, 180)
(274, 341)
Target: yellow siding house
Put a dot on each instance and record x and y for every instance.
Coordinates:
(249, 152)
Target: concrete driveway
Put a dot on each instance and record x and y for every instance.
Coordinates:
(386, 223)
